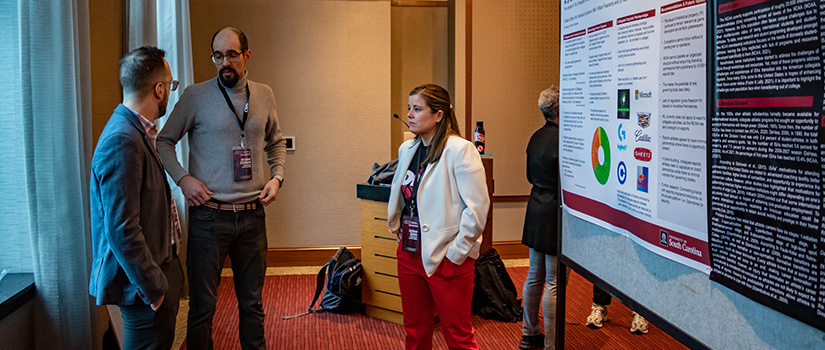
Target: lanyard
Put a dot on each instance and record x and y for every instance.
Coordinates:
(418, 175)
(241, 124)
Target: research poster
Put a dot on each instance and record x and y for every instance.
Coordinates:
(633, 114)
(766, 227)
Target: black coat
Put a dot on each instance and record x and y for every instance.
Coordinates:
(542, 218)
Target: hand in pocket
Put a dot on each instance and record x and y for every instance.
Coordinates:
(451, 269)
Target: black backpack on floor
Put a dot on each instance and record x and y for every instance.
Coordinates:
(494, 294)
(342, 294)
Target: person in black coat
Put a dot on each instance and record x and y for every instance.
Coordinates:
(541, 226)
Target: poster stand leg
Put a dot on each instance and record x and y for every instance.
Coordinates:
(561, 301)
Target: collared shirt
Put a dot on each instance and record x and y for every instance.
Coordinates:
(150, 128)
(152, 133)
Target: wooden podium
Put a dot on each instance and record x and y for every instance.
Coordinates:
(380, 290)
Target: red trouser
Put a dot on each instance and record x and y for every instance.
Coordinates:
(449, 291)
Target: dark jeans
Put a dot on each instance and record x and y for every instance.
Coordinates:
(147, 329)
(600, 297)
(213, 234)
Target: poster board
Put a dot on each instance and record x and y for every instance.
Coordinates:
(767, 155)
(675, 293)
(632, 122)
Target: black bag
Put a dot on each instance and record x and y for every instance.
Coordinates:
(494, 294)
(342, 294)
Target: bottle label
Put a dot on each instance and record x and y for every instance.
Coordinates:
(479, 137)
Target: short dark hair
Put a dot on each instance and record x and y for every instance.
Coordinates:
(238, 32)
(140, 69)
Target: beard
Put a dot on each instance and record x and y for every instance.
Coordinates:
(162, 106)
(228, 82)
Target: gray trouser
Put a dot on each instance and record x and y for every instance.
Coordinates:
(541, 277)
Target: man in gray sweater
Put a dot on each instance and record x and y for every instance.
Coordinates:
(236, 166)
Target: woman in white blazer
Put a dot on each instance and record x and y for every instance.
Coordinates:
(437, 208)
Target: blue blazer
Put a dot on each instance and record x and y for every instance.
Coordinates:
(131, 215)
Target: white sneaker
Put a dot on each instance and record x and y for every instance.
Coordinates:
(639, 324)
(598, 315)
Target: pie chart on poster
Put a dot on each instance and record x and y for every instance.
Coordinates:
(601, 148)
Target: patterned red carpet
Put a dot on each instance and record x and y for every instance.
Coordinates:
(290, 294)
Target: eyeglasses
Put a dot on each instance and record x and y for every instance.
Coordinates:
(173, 83)
(230, 55)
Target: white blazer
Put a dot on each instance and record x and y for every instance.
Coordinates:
(452, 202)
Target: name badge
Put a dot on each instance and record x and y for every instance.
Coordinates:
(410, 237)
(242, 160)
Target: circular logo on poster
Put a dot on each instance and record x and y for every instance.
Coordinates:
(600, 155)
(621, 173)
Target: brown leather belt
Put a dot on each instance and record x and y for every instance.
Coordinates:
(230, 206)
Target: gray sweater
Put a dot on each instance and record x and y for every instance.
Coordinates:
(213, 131)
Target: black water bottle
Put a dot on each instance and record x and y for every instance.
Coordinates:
(479, 137)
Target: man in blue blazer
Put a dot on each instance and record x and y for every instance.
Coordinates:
(135, 230)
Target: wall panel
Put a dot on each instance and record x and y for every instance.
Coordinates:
(515, 57)
(328, 63)
(419, 55)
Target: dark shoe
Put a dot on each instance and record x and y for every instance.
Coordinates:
(532, 342)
